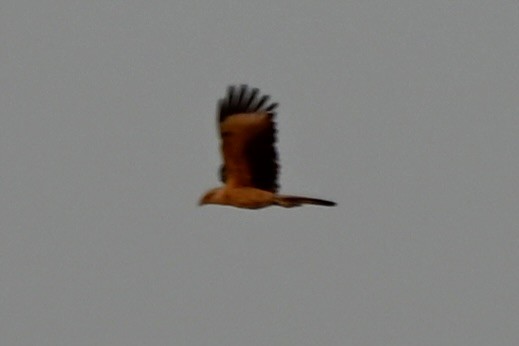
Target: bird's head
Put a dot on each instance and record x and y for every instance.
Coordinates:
(213, 196)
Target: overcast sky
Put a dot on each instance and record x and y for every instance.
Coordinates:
(405, 112)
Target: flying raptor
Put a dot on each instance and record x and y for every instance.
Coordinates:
(250, 161)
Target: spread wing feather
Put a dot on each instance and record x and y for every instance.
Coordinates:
(248, 133)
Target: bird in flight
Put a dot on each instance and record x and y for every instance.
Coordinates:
(250, 161)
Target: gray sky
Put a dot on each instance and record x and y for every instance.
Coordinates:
(404, 112)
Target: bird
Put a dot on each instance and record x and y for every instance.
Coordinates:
(250, 161)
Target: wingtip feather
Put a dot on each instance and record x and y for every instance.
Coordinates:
(243, 99)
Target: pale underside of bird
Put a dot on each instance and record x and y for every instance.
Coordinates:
(250, 161)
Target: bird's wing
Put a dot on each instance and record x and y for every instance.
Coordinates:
(248, 135)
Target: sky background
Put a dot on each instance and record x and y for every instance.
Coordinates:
(405, 112)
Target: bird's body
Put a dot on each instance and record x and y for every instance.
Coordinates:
(241, 197)
(250, 168)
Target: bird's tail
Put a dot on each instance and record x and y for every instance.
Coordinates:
(296, 201)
